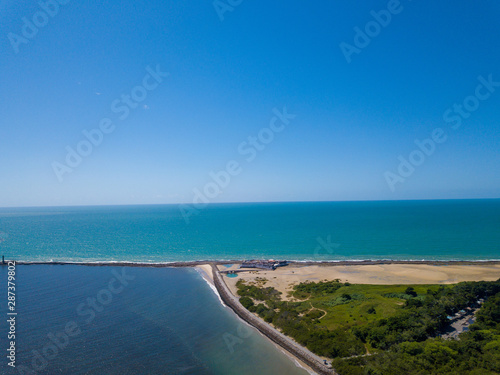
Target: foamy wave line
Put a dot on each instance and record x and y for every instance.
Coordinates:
(210, 284)
(112, 262)
(192, 263)
(296, 361)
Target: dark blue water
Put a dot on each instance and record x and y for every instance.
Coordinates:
(432, 230)
(157, 321)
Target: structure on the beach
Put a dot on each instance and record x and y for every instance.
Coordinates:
(264, 264)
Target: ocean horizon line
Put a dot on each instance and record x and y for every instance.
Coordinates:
(249, 202)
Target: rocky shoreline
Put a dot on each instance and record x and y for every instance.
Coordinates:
(286, 343)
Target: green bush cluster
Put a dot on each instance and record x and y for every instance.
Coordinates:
(424, 316)
(319, 288)
(262, 294)
(406, 341)
(408, 349)
(299, 320)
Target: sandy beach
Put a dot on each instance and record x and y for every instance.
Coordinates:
(206, 270)
(283, 278)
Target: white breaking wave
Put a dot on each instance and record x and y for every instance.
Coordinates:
(210, 284)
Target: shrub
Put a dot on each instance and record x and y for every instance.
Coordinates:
(246, 302)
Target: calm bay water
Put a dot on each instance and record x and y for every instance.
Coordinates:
(158, 321)
(431, 230)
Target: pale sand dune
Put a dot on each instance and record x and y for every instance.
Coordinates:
(284, 277)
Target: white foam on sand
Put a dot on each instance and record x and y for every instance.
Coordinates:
(210, 283)
(294, 359)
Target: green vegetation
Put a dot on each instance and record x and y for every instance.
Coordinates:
(385, 329)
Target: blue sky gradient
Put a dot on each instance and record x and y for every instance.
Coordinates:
(353, 120)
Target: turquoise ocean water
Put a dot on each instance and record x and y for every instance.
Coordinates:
(412, 230)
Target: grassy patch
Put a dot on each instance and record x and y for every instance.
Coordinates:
(341, 320)
(342, 312)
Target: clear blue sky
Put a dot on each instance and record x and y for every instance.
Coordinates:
(353, 120)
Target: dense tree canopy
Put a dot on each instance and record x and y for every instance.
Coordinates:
(405, 341)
